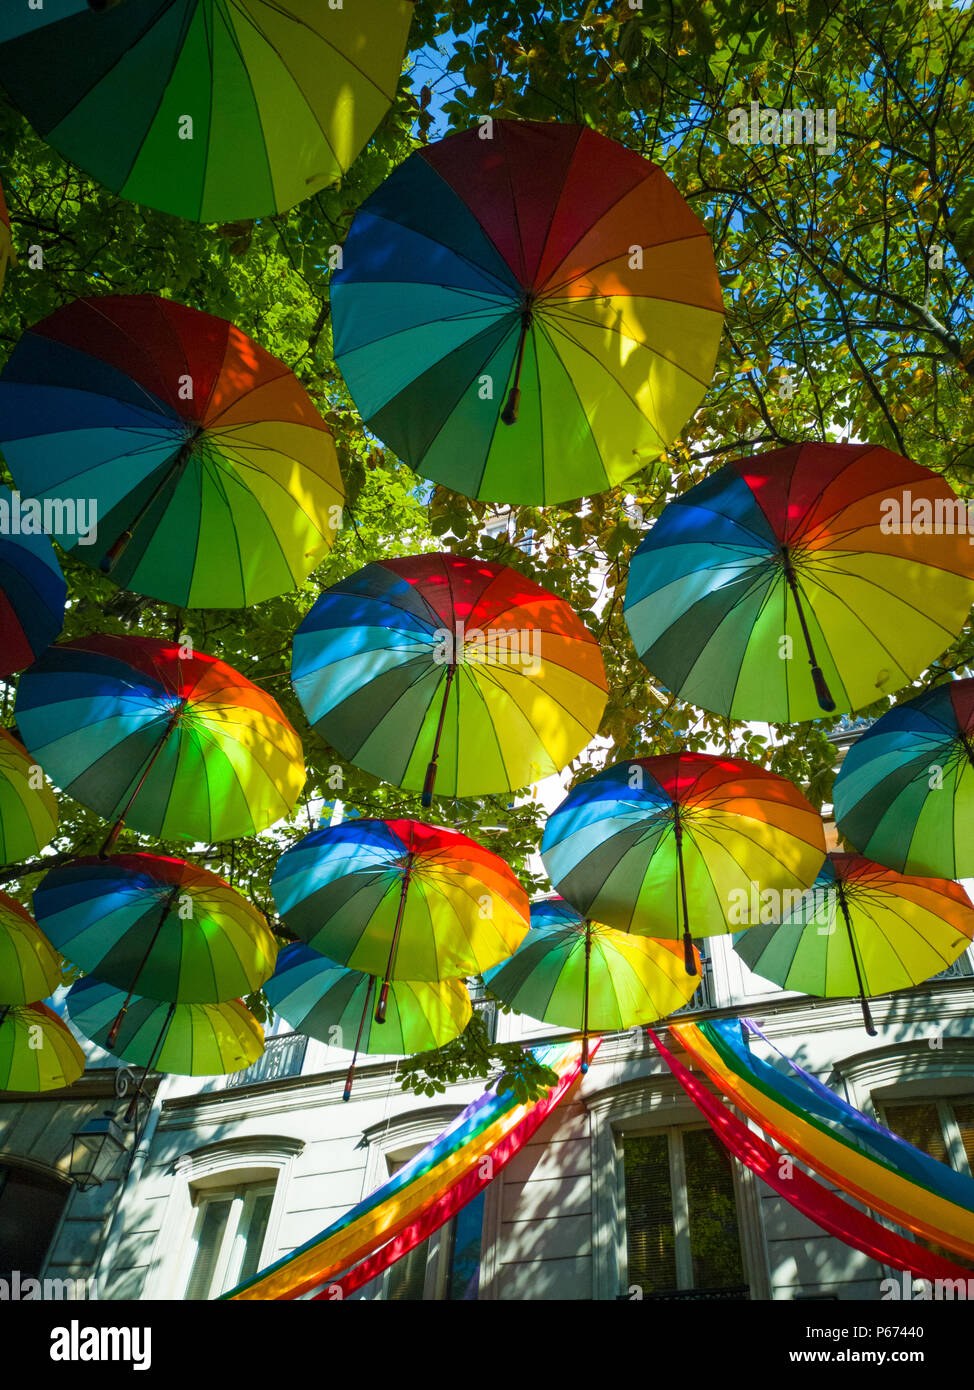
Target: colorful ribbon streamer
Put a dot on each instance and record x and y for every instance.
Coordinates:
(426, 1191)
(825, 1208)
(892, 1191)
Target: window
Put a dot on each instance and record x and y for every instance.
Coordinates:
(942, 1128)
(31, 1205)
(682, 1234)
(444, 1266)
(228, 1237)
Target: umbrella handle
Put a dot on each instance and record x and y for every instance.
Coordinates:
(822, 692)
(689, 959)
(867, 1017)
(428, 785)
(380, 1008)
(347, 1093)
(509, 413)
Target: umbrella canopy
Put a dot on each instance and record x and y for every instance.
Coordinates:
(37, 1051)
(401, 900)
(7, 254)
(335, 1005)
(30, 968)
(212, 111)
(904, 795)
(862, 929)
(580, 974)
(32, 587)
(179, 747)
(159, 927)
(185, 460)
(28, 807)
(804, 556)
(544, 278)
(440, 666)
(640, 843)
(184, 1039)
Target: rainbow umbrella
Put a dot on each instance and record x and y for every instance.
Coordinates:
(32, 587)
(209, 110)
(177, 746)
(862, 929)
(186, 461)
(332, 1004)
(804, 551)
(904, 795)
(156, 926)
(640, 842)
(184, 1039)
(28, 807)
(7, 254)
(580, 974)
(535, 275)
(401, 900)
(30, 968)
(37, 1051)
(439, 667)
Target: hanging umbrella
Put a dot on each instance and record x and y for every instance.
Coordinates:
(795, 554)
(158, 927)
(7, 253)
(179, 747)
(543, 278)
(904, 795)
(439, 668)
(862, 929)
(642, 842)
(401, 900)
(37, 1051)
(212, 111)
(579, 974)
(28, 807)
(30, 968)
(187, 462)
(183, 1039)
(32, 588)
(334, 1005)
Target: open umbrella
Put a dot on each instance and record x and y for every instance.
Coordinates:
(176, 746)
(401, 900)
(37, 1051)
(7, 254)
(862, 929)
(185, 460)
(157, 927)
(30, 968)
(209, 110)
(804, 552)
(579, 974)
(32, 587)
(904, 795)
(436, 668)
(28, 807)
(643, 842)
(184, 1039)
(334, 1005)
(534, 275)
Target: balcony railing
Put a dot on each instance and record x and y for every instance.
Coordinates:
(283, 1056)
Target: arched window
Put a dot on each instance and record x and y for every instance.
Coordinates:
(32, 1203)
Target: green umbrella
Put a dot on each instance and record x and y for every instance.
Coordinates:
(28, 807)
(333, 1004)
(186, 1039)
(862, 929)
(215, 110)
(37, 1051)
(30, 968)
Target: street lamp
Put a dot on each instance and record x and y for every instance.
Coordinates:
(95, 1149)
(97, 1146)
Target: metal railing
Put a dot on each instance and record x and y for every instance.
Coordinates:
(283, 1056)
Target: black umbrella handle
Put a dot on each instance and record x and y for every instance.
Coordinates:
(689, 960)
(867, 1017)
(430, 782)
(822, 692)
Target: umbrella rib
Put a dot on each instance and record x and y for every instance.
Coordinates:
(510, 288)
(549, 291)
(560, 320)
